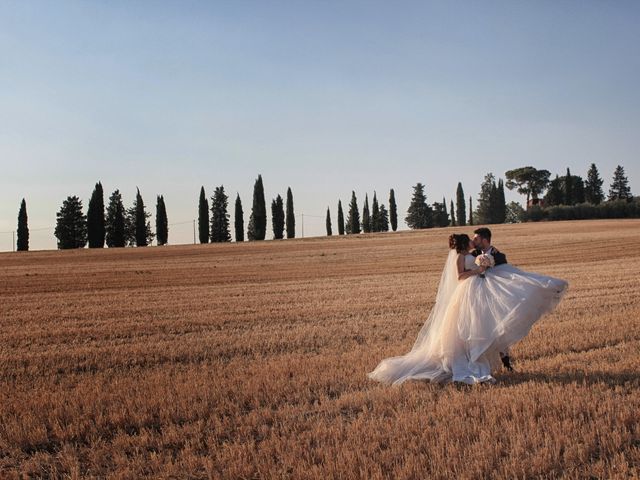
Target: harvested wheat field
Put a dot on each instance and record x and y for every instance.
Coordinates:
(249, 361)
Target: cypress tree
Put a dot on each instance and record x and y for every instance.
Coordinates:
(291, 218)
(577, 183)
(366, 217)
(353, 220)
(277, 218)
(440, 217)
(203, 217)
(328, 223)
(419, 214)
(501, 203)
(71, 224)
(95, 218)
(375, 214)
(340, 218)
(141, 227)
(487, 200)
(453, 215)
(219, 216)
(461, 214)
(568, 189)
(555, 193)
(162, 224)
(115, 222)
(239, 220)
(22, 244)
(470, 211)
(258, 220)
(619, 189)
(384, 218)
(393, 210)
(593, 186)
(445, 218)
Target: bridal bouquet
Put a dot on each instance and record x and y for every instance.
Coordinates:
(485, 260)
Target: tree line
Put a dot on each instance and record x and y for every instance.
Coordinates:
(564, 197)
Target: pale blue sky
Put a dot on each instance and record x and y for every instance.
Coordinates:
(324, 97)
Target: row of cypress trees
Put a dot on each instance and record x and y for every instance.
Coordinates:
(114, 226)
(213, 222)
(118, 227)
(422, 215)
(374, 219)
(572, 189)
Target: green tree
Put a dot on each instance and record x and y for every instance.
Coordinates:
(555, 193)
(203, 217)
(419, 214)
(162, 224)
(95, 218)
(219, 216)
(578, 189)
(461, 214)
(515, 213)
(257, 229)
(340, 218)
(593, 186)
(277, 217)
(375, 214)
(239, 220)
(71, 224)
(115, 224)
(528, 181)
(440, 216)
(328, 223)
(619, 189)
(22, 244)
(366, 217)
(500, 204)
(470, 212)
(137, 224)
(453, 215)
(485, 211)
(384, 218)
(393, 211)
(353, 220)
(568, 189)
(291, 218)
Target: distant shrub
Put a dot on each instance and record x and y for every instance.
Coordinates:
(584, 211)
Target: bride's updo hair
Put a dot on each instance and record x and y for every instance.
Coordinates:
(459, 241)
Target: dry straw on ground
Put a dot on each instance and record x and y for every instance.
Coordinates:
(249, 361)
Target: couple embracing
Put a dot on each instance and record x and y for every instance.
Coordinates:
(483, 306)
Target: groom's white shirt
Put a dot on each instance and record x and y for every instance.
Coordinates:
(488, 250)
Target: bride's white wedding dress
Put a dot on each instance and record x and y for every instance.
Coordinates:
(471, 322)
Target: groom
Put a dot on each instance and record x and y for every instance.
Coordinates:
(482, 242)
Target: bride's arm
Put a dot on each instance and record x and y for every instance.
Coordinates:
(462, 273)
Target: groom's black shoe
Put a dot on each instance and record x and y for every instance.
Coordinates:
(506, 362)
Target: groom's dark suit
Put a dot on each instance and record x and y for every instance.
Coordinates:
(498, 256)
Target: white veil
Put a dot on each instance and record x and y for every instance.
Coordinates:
(448, 284)
(424, 358)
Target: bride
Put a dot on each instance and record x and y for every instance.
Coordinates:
(478, 314)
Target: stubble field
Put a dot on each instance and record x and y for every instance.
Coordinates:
(249, 361)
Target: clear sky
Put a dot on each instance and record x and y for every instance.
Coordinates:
(323, 96)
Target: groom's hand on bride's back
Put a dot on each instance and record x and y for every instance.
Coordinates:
(499, 257)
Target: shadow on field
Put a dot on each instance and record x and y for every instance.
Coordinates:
(611, 379)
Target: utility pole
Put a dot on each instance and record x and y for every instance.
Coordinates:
(303, 225)
(13, 241)
(194, 232)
